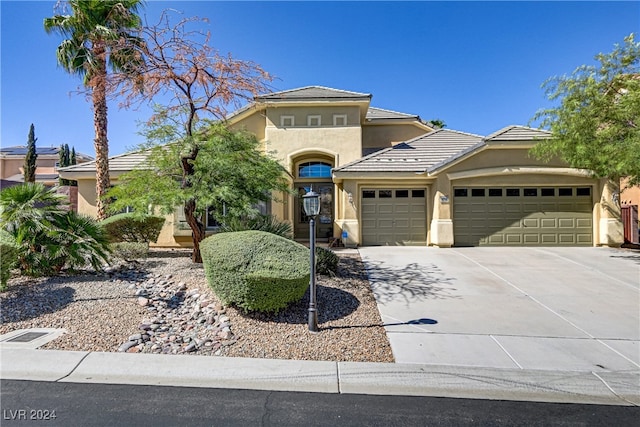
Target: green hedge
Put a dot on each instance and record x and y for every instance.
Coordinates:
(255, 270)
(8, 257)
(132, 227)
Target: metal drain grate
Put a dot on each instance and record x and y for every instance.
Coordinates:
(27, 337)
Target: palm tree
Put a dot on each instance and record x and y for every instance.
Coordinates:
(98, 35)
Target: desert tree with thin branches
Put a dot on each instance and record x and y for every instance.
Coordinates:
(197, 84)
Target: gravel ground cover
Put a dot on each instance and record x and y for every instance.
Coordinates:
(180, 315)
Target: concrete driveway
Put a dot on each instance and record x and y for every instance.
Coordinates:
(568, 309)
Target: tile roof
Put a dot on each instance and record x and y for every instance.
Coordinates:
(121, 163)
(518, 133)
(379, 113)
(39, 177)
(312, 93)
(416, 155)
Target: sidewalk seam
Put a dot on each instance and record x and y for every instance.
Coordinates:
(505, 350)
(74, 368)
(612, 390)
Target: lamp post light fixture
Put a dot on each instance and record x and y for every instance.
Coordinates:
(311, 205)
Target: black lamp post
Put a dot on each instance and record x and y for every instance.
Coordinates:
(311, 204)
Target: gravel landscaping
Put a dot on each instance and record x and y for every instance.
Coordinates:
(163, 305)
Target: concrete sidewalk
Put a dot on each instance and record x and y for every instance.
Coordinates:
(606, 388)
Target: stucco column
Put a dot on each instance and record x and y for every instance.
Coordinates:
(441, 230)
(610, 228)
(347, 218)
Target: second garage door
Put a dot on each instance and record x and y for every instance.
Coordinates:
(527, 216)
(394, 217)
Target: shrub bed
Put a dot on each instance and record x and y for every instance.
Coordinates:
(326, 261)
(8, 257)
(132, 227)
(255, 270)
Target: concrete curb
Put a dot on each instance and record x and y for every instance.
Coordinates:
(605, 388)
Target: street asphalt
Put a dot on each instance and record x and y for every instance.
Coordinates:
(522, 324)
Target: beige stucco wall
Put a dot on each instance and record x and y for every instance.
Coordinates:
(13, 166)
(378, 136)
(254, 123)
(87, 197)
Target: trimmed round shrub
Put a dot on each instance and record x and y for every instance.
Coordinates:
(255, 270)
(132, 227)
(326, 261)
(8, 257)
(267, 223)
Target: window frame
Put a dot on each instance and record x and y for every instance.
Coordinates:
(284, 118)
(309, 163)
(337, 117)
(311, 118)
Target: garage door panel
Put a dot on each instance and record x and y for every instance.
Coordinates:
(397, 218)
(531, 239)
(584, 223)
(566, 223)
(495, 208)
(548, 223)
(522, 220)
(368, 209)
(496, 239)
(584, 238)
(567, 239)
(512, 238)
(385, 208)
(402, 223)
(384, 223)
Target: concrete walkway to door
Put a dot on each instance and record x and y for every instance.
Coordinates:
(558, 309)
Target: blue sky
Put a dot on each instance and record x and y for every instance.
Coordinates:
(476, 65)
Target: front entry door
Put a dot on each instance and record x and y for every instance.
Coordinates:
(324, 221)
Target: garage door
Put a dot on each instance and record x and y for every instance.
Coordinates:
(527, 216)
(394, 217)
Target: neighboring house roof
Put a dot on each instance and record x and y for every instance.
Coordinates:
(121, 163)
(416, 155)
(5, 183)
(312, 93)
(40, 177)
(21, 151)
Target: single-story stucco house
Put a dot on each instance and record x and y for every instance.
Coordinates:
(389, 178)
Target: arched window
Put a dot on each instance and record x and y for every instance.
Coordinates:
(314, 170)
